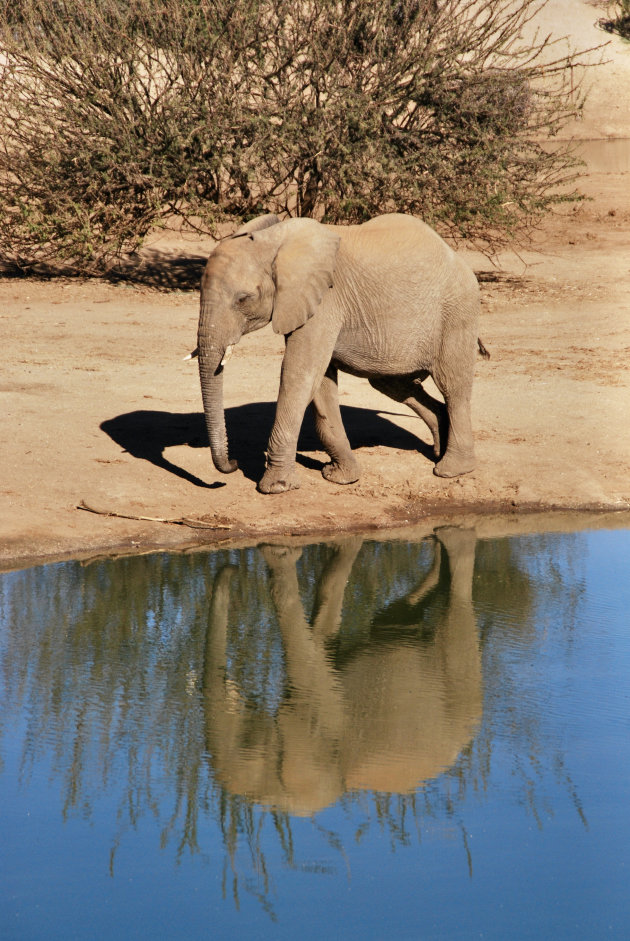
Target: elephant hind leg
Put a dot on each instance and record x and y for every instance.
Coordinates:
(343, 467)
(409, 391)
(459, 455)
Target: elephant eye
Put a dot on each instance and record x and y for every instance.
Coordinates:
(243, 297)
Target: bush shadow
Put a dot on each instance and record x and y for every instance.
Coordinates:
(163, 270)
(146, 434)
(166, 271)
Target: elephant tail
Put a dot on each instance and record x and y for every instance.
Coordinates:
(484, 352)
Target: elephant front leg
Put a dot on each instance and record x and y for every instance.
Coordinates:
(281, 473)
(343, 467)
(306, 358)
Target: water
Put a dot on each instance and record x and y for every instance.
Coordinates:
(408, 739)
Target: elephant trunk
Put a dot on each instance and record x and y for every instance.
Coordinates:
(211, 359)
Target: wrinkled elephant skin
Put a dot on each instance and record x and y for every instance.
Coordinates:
(387, 300)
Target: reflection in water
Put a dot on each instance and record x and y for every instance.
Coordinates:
(386, 713)
(212, 658)
(212, 700)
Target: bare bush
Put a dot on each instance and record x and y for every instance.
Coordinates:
(115, 114)
(619, 22)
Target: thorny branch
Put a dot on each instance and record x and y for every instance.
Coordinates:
(115, 116)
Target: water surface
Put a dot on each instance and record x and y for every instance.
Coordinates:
(409, 739)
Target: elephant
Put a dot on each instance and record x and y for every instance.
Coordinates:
(387, 300)
(388, 716)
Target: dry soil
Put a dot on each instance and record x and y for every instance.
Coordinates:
(100, 409)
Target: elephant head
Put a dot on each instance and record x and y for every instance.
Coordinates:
(266, 271)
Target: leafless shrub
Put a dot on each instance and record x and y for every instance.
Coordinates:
(116, 114)
(619, 22)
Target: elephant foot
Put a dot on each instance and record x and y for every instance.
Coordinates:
(346, 472)
(277, 556)
(278, 480)
(454, 465)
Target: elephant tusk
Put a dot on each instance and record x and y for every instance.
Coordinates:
(192, 355)
(228, 352)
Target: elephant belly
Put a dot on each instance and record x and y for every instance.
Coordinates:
(384, 356)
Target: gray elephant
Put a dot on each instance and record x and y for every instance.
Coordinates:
(387, 300)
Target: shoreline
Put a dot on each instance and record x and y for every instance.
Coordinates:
(489, 524)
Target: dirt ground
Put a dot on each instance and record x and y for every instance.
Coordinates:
(99, 408)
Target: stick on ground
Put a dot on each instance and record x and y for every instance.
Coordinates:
(181, 521)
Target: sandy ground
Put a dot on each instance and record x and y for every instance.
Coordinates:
(100, 408)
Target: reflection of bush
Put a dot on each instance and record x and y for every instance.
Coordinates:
(109, 663)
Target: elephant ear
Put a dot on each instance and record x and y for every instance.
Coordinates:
(255, 225)
(303, 272)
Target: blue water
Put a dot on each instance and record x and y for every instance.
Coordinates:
(358, 739)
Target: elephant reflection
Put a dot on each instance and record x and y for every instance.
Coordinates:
(392, 714)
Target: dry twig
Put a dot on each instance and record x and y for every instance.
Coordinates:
(181, 521)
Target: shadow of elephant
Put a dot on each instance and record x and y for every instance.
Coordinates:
(146, 434)
(389, 715)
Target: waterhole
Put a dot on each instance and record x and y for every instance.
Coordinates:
(358, 739)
